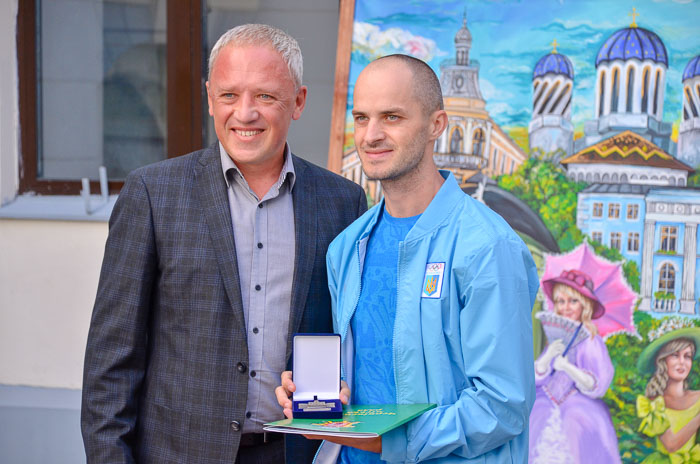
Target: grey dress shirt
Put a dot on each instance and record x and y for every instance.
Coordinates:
(263, 231)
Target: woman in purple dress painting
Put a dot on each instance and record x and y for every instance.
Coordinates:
(569, 422)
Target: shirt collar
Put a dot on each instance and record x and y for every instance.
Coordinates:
(229, 168)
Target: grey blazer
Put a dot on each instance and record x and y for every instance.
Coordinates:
(162, 379)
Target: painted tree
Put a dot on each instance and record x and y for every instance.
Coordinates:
(543, 185)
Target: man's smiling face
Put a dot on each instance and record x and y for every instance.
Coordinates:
(253, 100)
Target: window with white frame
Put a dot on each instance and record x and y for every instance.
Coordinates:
(614, 211)
(597, 209)
(667, 278)
(597, 236)
(669, 237)
(615, 240)
(632, 212)
(633, 242)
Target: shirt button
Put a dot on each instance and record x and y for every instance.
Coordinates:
(258, 287)
(235, 426)
(255, 330)
(248, 414)
(259, 245)
(252, 373)
(260, 205)
(241, 367)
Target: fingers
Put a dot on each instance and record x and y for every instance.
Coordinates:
(287, 381)
(284, 391)
(558, 346)
(555, 348)
(344, 392)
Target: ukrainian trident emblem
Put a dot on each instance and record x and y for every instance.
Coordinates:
(430, 284)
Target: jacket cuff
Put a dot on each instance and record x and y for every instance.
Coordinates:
(394, 445)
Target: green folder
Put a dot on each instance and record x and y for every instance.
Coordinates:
(359, 421)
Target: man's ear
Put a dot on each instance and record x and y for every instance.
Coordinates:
(438, 123)
(299, 102)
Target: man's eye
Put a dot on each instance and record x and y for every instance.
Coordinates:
(265, 96)
(392, 117)
(360, 118)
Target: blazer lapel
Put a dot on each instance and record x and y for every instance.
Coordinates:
(210, 188)
(305, 221)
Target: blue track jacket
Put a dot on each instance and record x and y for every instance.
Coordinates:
(462, 340)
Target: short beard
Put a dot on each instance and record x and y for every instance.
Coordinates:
(408, 166)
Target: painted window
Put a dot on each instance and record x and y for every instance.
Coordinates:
(597, 236)
(614, 210)
(630, 89)
(667, 278)
(633, 242)
(478, 143)
(656, 91)
(456, 141)
(615, 90)
(601, 102)
(669, 235)
(645, 90)
(615, 240)
(691, 103)
(632, 212)
(597, 209)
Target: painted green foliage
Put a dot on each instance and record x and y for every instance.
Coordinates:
(546, 189)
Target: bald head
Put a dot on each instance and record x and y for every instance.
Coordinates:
(426, 86)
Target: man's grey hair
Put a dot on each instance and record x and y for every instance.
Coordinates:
(262, 34)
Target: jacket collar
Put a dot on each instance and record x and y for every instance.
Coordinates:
(445, 200)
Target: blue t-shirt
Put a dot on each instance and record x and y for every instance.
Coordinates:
(373, 323)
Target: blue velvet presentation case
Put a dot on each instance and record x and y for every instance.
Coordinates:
(316, 371)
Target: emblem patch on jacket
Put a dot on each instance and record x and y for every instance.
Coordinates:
(432, 283)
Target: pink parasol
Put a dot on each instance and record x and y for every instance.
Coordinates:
(609, 285)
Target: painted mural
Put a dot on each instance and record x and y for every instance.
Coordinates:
(579, 123)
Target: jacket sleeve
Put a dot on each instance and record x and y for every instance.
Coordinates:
(496, 289)
(115, 356)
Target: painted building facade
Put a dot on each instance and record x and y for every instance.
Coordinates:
(626, 158)
(657, 228)
(473, 141)
(630, 86)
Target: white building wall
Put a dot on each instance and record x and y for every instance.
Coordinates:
(48, 280)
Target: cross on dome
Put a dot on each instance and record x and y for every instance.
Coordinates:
(554, 45)
(634, 15)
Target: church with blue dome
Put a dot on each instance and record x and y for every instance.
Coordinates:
(550, 129)
(689, 130)
(631, 68)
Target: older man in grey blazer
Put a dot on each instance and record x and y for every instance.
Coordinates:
(213, 261)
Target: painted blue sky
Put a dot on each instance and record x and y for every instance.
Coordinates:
(509, 36)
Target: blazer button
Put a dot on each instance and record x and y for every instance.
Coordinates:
(235, 426)
(242, 367)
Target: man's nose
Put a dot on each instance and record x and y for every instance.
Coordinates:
(374, 132)
(246, 109)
